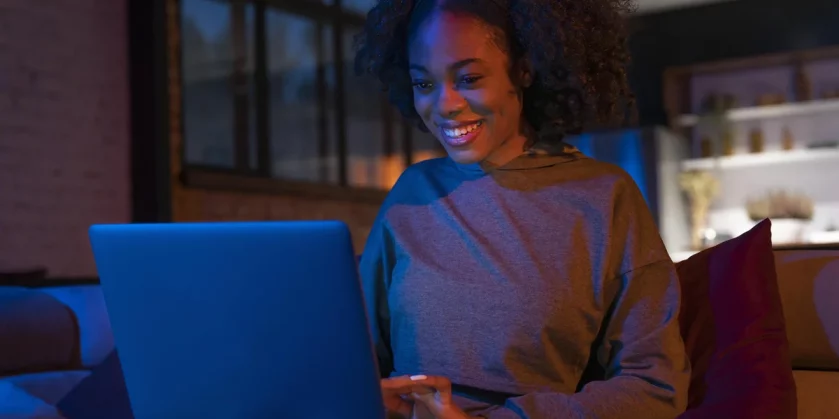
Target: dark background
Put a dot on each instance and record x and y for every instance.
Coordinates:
(733, 29)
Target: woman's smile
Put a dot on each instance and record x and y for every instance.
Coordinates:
(461, 134)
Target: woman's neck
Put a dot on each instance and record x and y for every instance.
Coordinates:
(511, 148)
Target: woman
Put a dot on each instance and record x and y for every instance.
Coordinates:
(495, 275)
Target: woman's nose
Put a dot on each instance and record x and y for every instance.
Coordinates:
(450, 102)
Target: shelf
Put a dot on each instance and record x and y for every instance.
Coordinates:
(763, 159)
(816, 240)
(683, 255)
(769, 112)
(824, 237)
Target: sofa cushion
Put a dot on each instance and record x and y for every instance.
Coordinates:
(38, 332)
(101, 395)
(817, 394)
(733, 326)
(87, 303)
(49, 386)
(17, 404)
(809, 283)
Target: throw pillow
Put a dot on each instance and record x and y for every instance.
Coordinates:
(734, 331)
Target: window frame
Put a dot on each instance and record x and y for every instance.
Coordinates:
(242, 177)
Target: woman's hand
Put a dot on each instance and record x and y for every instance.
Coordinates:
(396, 393)
(402, 394)
(435, 393)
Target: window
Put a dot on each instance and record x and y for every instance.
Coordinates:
(269, 91)
(301, 86)
(218, 70)
(358, 6)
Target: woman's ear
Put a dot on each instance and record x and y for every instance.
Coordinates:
(524, 73)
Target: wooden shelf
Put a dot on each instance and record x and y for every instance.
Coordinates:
(769, 112)
(768, 158)
(825, 240)
(825, 237)
(682, 255)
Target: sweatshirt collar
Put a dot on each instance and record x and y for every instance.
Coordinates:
(537, 157)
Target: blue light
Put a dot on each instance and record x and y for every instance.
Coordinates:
(632, 159)
(583, 143)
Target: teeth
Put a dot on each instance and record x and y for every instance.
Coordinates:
(461, 131)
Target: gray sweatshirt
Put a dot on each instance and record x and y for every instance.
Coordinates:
(506, 280)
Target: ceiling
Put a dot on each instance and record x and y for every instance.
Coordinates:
(649, 6)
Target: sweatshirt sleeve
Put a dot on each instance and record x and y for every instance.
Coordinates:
(647, 372)
(642, 353)
(375, 268)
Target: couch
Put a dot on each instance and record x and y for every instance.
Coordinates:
(808, 280)
(51, 338)
(62, 333)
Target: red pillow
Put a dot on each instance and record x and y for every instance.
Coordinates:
(734, 331)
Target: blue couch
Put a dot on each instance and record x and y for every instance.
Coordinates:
(52, 338)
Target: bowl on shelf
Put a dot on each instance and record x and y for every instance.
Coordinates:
(789, 230)
(824, 237)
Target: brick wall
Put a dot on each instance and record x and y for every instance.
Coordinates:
(191, 204)
(64, 134)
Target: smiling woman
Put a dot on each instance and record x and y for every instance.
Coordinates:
(516, 278)
(556, 89)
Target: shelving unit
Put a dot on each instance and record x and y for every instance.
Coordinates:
(769, 158)
(809, 81)
(768, 112)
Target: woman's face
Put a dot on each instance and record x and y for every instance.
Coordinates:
(463, 91)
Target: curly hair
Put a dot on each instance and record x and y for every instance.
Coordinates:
(576, 51)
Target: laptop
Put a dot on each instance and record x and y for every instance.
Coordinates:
(239, 320)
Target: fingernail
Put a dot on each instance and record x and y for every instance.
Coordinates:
(418, 377)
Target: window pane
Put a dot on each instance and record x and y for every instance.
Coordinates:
(302, 107)
(358, 6)
(425, 146)
(392, 161)
(369, 134)
(218, 64)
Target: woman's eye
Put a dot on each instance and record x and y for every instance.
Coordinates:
(422, 85)
(469, 80)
